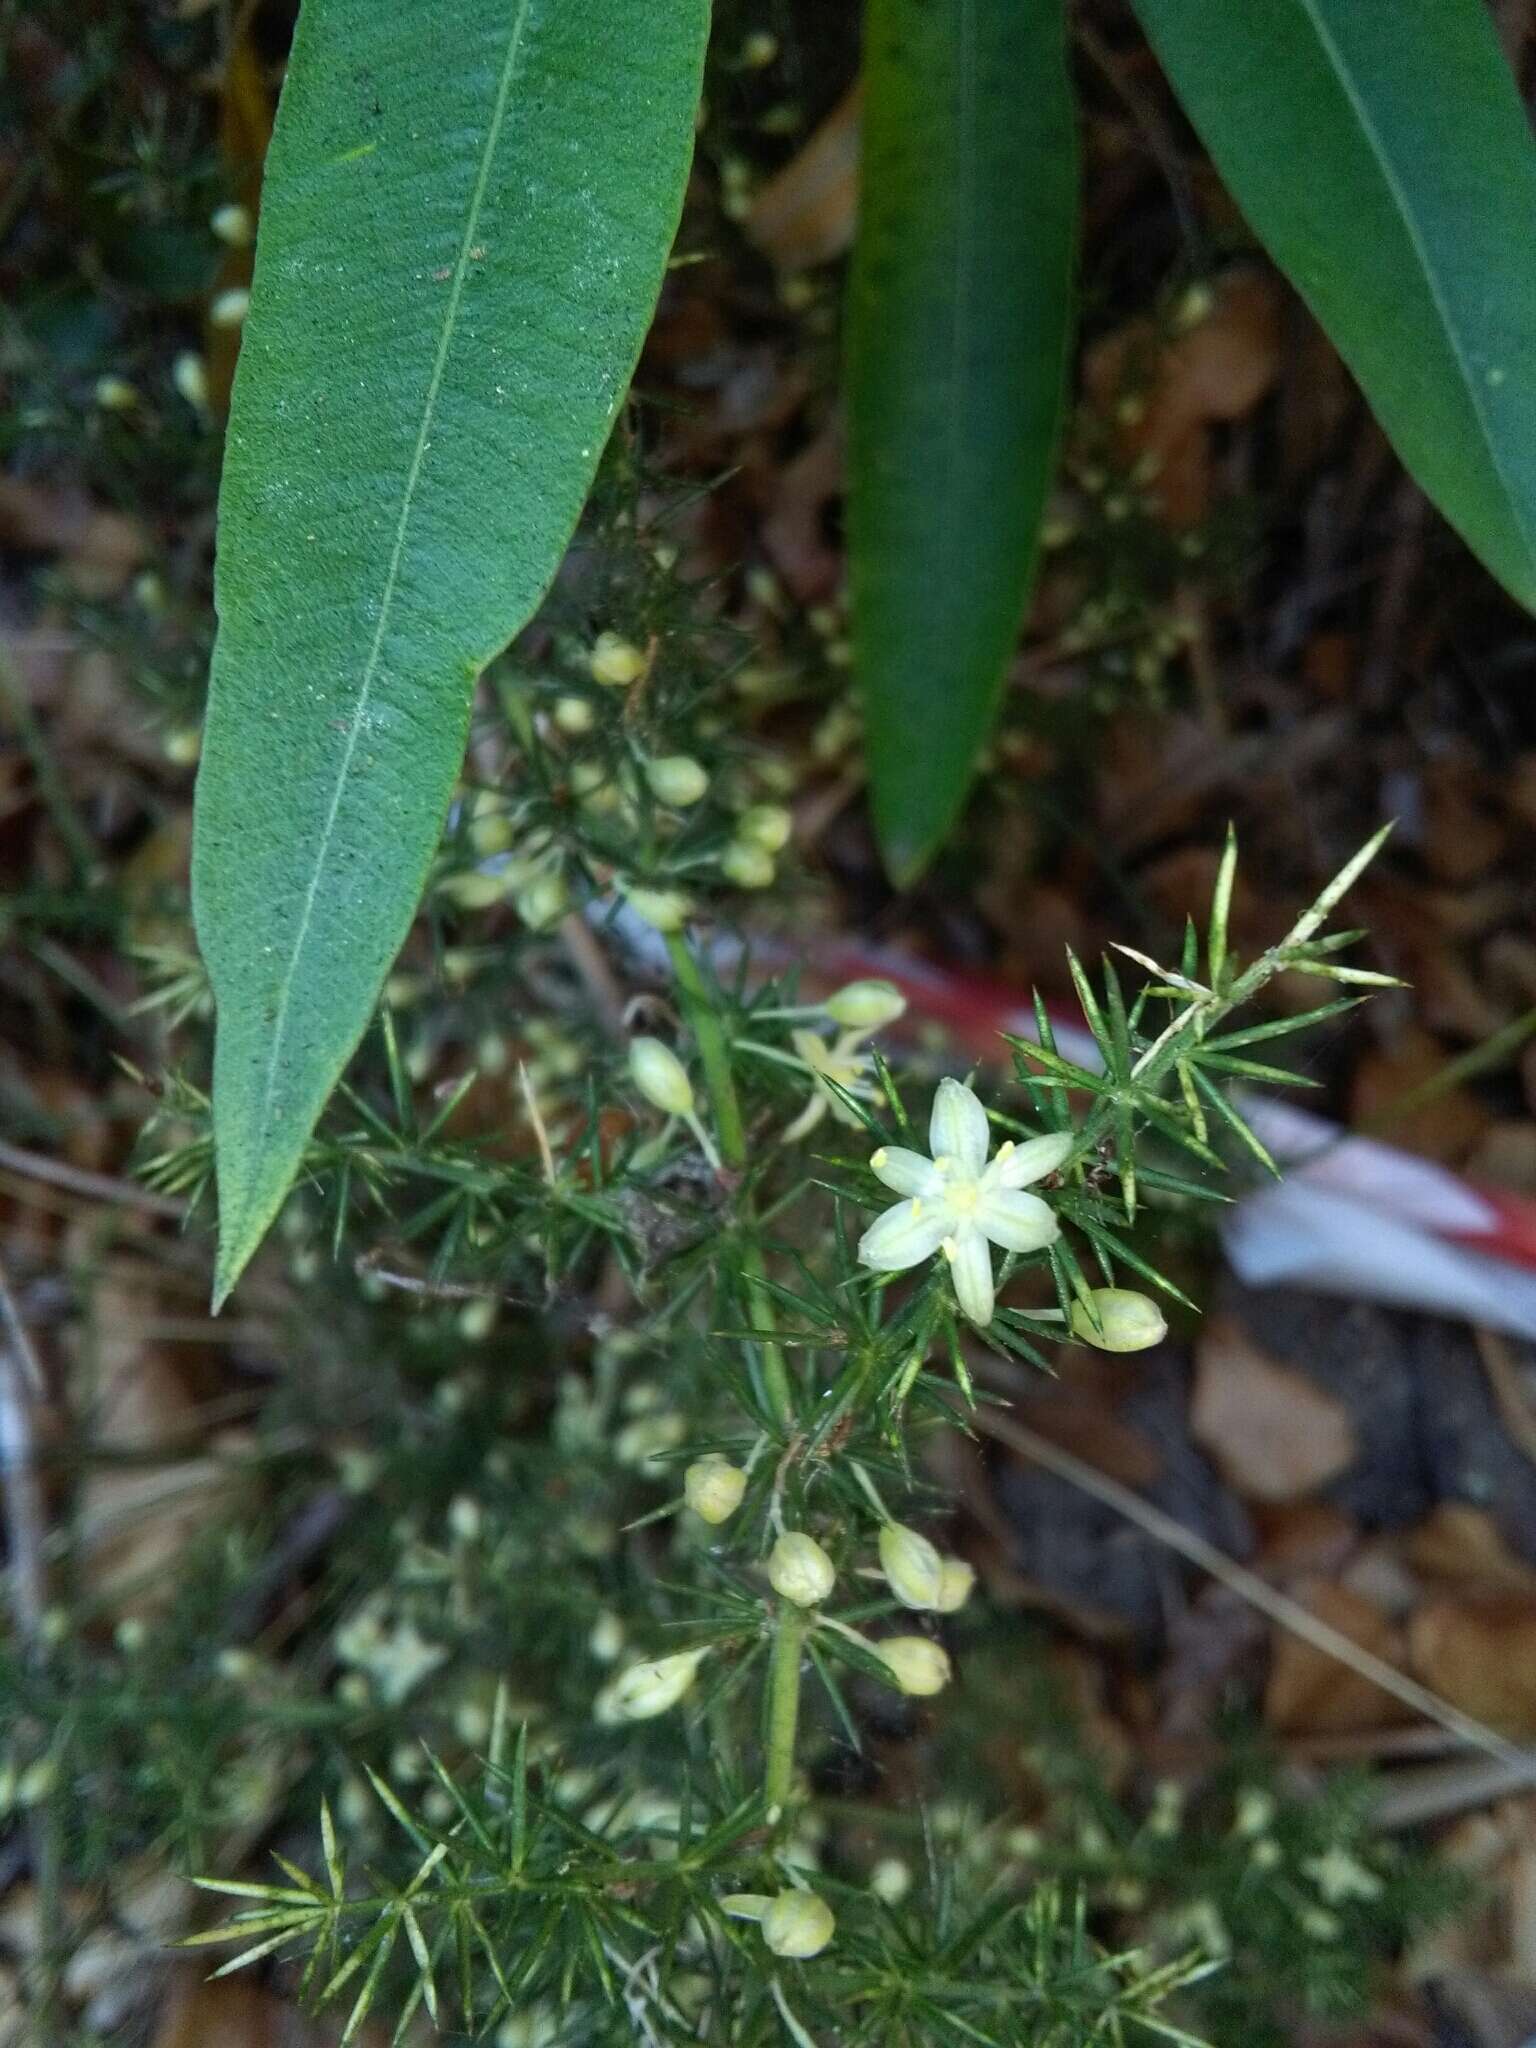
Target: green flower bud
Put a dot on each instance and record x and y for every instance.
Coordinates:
(115, 394)
(767, 826)
(661, 1076)
(616, 661)
(642, 1691)
(865, 1005)
(798, 1924)
(748, 866)
(713, 1487)
(913, 1569)
(574, 715)
(918, 1666)
(543, 902)
(190, 376)
(956, 1583)
(800, 1570)
(1127, 1321)
(473, 889)
(667, 909)
(676, 779)
(230, 308)
(232, 224)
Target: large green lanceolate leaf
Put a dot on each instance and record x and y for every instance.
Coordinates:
(959, 324)
(1379, 149)
(468, 210)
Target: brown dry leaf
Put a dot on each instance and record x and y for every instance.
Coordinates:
(792, 533)
(806, 214)
(101, 549)
(1481, 1655)
(1462, 1545)
(135, 1519)
(235, 2013)
(1273, 1433)
(1463, 836)
(1445, 1128)
(1216, 372)
(1311, 1692)
(1303, 1539)
(1496, 1849)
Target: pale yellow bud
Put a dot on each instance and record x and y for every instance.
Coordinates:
(798, 1924)
(645, 1690)
(713, 1487)
(800, 1570)
(190, 376)
(232, 224)
(913, 1569)
(767, 826)
(957, 1581)
(474, 889)
(676, 779)
(230, 308)
(615, 661)
(544, 902)
(182, 745)
(661, 1076)
(490, 830)
(865, 1005)
(760, 48)
(574, 715)
(1127, 1321)
(607, 1638)
(37, 1782)
(115, 394)
(919, 1667)
(748, 866)
(667, 909)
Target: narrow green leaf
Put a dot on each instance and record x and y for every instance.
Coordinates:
(466, 221)
(959, 324)
(1380, 151)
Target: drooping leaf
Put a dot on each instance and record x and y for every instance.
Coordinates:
(469, 205)
(959, 326)
(1379, 149)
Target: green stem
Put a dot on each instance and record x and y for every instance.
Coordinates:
(783, 1707)
(715, 1053)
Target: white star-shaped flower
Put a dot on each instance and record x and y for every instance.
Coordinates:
(959, 1204)
(841, 1061)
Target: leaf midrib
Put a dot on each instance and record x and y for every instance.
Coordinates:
(1475, 392)
(397, 554)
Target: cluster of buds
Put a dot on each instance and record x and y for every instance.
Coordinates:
(762, 831)
(919, 1576)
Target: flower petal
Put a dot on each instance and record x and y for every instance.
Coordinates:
(809, 1117)
(958, 1129)
(1017, 1165)
(1016, 1221)
(904, 1236)
(909, 1173)
(970, 1265)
